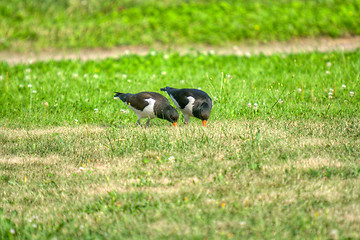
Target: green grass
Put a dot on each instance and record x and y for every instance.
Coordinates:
(36, 24)
(282, 171)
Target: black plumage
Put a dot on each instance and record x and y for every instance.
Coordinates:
(191, 102)
(150, 105)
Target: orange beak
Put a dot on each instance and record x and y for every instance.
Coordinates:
(204, 123)
(175, 124)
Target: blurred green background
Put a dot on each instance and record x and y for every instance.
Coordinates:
(70, 24)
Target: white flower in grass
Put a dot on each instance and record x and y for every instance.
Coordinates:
(255, 106)
(334, 234)
(280, 101)
(211, 52)
(96, 110)
(86, 75)
(327, 72)
(153, 53)
(76, 120)
(171, 159)
(127, 52)
(331, 90)
(124, 76)
(182, 81)
(34, 225)
(352, 94)
(75, 75)
(199, 88)
(166, 57)
(124, 111)
(116, 98)
(343, 86)
(129, 80)
(81, 169)
(215, 99)
(328, 64)
(27, 77)
(163, 73)
(12, 231)
(299, 90)
(34, 91)
(96, 76)
(29, 85)
(228, 76)
(249, 105)
(21, 85)
(59, 73)
(28, 70)
(242, 224)
(1, 77)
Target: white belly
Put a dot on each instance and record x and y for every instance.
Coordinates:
(147, 112)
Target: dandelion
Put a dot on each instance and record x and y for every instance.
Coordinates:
(171, 159)
(28, 70)
(96, 110)
(163, 73)
(76, 120)
(327, 72)
(255, 106)
(34, 91)
(124, 76)
(182, 81)
(75, 75)
(1, 77)
(29, 86)
(153, 53)
(280, 101)
(249, 105)
(352, 94)
(166, 57)
(21, 85)
(96, 76)
(343, 86)
(328, 64)
(12, 231)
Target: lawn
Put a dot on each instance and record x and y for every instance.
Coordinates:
(73, 164)
(64, 24)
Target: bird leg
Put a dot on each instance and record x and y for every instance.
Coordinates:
(138, 121)
(186, 119)
(148, 122)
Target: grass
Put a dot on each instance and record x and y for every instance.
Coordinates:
(288, 169)
(37, 25)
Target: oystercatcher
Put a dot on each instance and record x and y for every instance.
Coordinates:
(191, 102)
(150, 105)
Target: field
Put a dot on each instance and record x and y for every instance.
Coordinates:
(73, 163)
(63, 24)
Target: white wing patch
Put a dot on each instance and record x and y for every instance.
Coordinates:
(147, 112)
(189, 107)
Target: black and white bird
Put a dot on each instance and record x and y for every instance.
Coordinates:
(150, 105)
(191, 102)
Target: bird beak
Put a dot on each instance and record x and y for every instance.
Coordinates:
(204, 123)
(175, 124)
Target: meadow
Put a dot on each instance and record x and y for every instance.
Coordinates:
(34, 25)
(278, 159)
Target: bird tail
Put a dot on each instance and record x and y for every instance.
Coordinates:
(123, 96)
(165, 89)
